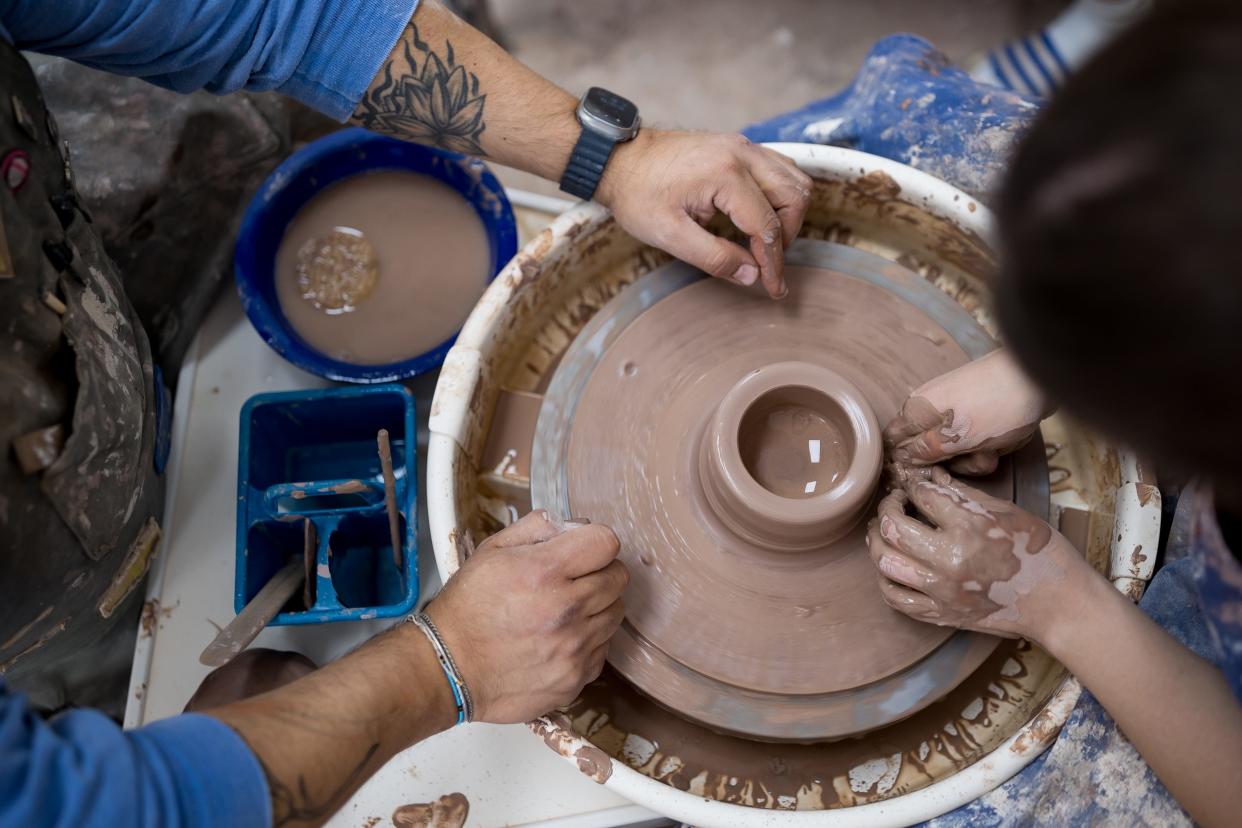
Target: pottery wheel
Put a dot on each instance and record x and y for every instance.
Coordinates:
(770, 643)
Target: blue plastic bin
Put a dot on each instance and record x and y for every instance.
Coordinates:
(313, 455)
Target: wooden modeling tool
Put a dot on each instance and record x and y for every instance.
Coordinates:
(254, 616)
(310, 543)
(390, 496)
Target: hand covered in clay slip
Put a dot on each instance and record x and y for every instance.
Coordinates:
(528, 616)
(983, 564)
(969, 417)
(665, 185)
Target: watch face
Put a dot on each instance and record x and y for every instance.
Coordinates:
(613, 110)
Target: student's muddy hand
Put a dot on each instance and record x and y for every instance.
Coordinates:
(664, 186)
(529, 615)
(983, 564)
(968, 417)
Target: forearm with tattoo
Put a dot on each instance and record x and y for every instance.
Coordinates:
(423, 97)
(320, 737)
(447, 85)
(296, 804)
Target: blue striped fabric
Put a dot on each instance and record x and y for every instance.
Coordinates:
(1031, 65)
(1019, 71)
(1052, 50)
(1049, 81)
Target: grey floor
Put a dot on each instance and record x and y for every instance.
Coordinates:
(722, 64)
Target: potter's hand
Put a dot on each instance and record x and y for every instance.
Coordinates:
(664, 185)
(529, 615)
(968, 416)
(984, 564)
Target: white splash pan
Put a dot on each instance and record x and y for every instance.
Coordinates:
(456, 411)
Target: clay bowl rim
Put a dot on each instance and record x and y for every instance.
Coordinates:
(833, 511)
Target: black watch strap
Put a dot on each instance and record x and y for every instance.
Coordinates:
(586, 164)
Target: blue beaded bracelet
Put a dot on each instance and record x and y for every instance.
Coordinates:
(461, 693)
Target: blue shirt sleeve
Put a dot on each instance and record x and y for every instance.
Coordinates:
(322, 52)
(82, 769)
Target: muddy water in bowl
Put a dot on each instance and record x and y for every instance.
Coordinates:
(791, 447)
(381, 267)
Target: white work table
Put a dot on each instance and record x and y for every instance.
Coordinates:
(508, 775)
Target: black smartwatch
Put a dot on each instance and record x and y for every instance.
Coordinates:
(607, 119)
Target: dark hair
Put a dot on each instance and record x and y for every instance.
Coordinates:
(1121, 233)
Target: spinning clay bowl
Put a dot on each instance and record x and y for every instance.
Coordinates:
(727, 750)
(742, 453)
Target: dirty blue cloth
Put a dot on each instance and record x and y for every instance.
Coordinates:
(81, 769)
(908, 103)
(321, 52)
(1219, 580)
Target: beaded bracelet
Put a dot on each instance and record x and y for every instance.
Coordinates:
(461, 693)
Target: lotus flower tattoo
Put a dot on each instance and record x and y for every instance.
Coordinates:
(426, 99)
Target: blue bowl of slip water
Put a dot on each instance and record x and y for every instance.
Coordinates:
(361, 256)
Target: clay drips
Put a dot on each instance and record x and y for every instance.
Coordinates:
(941, 739)
(556, 730)
(449, 811)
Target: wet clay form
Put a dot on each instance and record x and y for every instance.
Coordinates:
(733, 443)
(790, 457)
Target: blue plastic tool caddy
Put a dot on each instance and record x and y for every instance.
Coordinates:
(313, 455)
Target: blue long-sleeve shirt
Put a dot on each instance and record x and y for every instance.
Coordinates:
(80, 768)
(322, 52)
